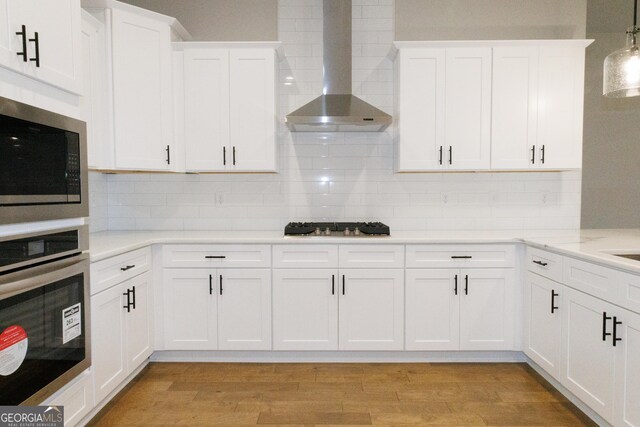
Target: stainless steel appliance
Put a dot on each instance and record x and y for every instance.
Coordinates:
(337, 229)
(43, 165)
(44, 313)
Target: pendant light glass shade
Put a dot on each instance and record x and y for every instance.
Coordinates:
(622, 69)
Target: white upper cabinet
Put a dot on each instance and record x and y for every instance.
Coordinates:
(489, 105)
(420, 109)
(538, 94)
(206, 109)
(468, 108)
(229, 106)
(49, 49)
(137, 90)
(142, 92)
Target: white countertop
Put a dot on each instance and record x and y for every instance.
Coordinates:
(592, 245)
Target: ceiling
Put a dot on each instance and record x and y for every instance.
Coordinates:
(609, 16)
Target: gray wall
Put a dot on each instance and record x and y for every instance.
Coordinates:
(221, 20)
(490, 19)
(611, 154)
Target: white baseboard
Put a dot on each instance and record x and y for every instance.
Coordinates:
(337, 356)
(566, 393)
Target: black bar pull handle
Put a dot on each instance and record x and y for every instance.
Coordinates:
(533, 154)
(128, 295)
(23, 34)
(168, 154)
(215, 256)
(450, 155)
(441, 154)
(605, 334)
(333, 284)
(36, 40)
(133, 300)
(542, 155)
(461, 257)
(234, 155)
(211, 284)
(554, 294)
(615, 330)
(128, 267)
(466, 284)
(544, 264)
(224, 156)
(221, 284)
(343, 285)
(455, 285)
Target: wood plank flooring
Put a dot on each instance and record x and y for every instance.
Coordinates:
(235, 394)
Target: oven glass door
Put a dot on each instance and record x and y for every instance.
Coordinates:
(38, 164)
(43, 335)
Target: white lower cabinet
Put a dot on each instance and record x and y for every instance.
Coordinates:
(588, 365)
(543, 322)
(452, 309)
(330, 309)
(627, 398)
(121, 332)
(76, 397)
(210, 309)
(305, 309)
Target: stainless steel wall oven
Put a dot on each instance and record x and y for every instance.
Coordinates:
(44, 313)
(43, 164)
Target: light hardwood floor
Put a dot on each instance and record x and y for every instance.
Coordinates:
(235, 394)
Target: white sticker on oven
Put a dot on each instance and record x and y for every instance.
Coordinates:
(71, 323)
(13, 349)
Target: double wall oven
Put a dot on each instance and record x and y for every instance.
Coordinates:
(44, 276)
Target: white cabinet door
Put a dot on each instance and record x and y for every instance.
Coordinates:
(58, 49)
(252, 109)
(468, 108)
(10, 43)
(486, 309)
(206, 109)
(420, 119)
(543, 322)
(305, 309)
(627, 405)
(514, 107)
(142, 92)
(588, 361)
(371, 309)
(190, 309)
(560, 107)
(432, 309)
(244, 309)
(139, 320)
(108, 340)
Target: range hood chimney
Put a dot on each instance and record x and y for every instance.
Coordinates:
(337, 110)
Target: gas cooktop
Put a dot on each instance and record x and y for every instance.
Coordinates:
(337, 229)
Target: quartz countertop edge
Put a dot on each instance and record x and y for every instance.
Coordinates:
(592, 245)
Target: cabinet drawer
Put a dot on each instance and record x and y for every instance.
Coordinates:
(592, 279)
(119, 268)
(305, 256)
(76, 397)
(460, 256)
(544, 263)
(630, 291)
(208, 256)
(371, 256)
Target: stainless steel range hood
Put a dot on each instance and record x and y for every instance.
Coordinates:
(337, 110)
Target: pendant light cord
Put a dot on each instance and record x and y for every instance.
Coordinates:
(635, 14)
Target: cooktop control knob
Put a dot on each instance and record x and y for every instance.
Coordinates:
(327, 231)
(356, 232)
(317, 232)
(347, 232)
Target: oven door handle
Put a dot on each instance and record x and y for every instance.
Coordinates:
(35, 277)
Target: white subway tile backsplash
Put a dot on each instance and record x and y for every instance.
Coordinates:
(336, 176)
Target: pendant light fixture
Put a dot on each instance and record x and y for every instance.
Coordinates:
(622, 67)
